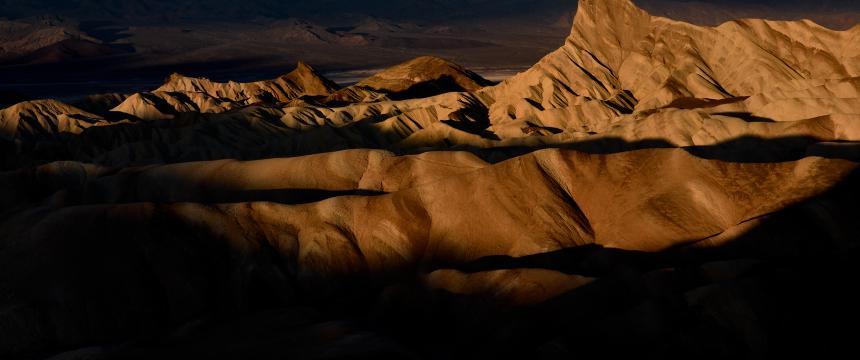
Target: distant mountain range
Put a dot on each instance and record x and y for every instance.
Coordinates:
(53, 41)
(430, 11)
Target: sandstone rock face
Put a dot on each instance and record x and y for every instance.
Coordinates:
(652, 188)
(44, 119)
(182, 94)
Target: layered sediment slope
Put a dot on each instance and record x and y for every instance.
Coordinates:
(181, 94)
(652, 188)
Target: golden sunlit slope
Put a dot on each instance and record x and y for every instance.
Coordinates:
(303, 81)
(619, 59)
(182, 94)
(619, 65)
(44, 119)
(647, 200)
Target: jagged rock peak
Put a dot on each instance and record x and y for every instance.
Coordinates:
(311, 81)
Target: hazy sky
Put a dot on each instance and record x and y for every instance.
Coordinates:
(430, 10)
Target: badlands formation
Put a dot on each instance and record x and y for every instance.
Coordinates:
(652, 188)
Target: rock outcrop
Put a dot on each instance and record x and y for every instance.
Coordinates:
(182, 94)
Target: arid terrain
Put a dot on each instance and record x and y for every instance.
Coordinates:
(651, 188)
(66, 49)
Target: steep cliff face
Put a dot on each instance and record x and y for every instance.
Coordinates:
(620, 59)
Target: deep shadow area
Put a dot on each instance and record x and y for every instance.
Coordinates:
(697, 103)
(746, 116)
(156, 287)
(118, 72)
(106, 31)
(784, 288)
(69, 50)
(745, 149)
(588, 260)
(9, 98)
(444, 84)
